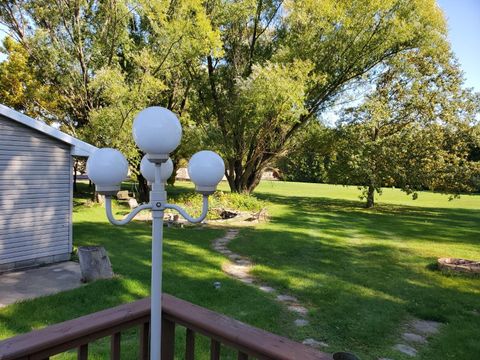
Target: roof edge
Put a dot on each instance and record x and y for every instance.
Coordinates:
(79, 147)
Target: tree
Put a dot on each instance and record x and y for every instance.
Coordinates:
(308, 156)
(21, 89)
(414, 130)
(108, 60)
(284, 62)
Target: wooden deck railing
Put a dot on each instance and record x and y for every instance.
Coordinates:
(248, 341)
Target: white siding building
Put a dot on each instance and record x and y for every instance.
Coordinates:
(35, 191)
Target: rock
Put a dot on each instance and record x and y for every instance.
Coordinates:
(94, 263)
(314, 343)
(410, 337)
(247, 280)
(132, 203)
(301, 322)
(405, 349)
(243, 262)
(298, 309)
(286, 298)
(426, 327)
(123, 195)
(227, 214)
(266, 289)
(237, 271)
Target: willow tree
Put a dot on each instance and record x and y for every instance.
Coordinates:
(285, 62)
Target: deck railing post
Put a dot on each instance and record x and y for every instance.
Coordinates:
(115, 346)
(168, 339)
(144, 341)
(190, 345)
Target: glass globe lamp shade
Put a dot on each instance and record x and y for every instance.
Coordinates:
(147, 168)
(107, 168)
(206, 169)
(157, 132)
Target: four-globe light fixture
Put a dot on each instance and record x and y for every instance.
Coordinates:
(157, 132)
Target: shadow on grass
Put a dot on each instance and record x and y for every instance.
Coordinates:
(364, 272)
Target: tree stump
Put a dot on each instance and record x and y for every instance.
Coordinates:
(94, 263)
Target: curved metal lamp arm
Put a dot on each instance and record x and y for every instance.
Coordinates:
(182, 212)
(111, 218)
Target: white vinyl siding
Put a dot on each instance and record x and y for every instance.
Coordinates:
(35, 194)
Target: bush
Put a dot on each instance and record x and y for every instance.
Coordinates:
(192, 202)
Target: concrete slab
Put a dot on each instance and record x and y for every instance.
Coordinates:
(32, 283)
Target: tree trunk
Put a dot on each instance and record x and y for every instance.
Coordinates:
(94, 263)
(241, 183)
(171, 180)
(143, 189)
(370, 197)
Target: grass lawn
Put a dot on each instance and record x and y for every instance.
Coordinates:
(363, 273)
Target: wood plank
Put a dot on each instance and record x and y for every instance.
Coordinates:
(168, 339)
(45, 171)
(28, 183)
(38, 220)
(44, 152)
(36, 233)
(190, 345)
(27, 255)
(143, 353)
(242, 356)
(13, 177)
(26, 247)
(20, 195)
(30, 141)
(214, 350)
(27, 243)
(7, 159)
(17, 212)
(115, 346)
(71, 334)
(82, 353)
(235, 334)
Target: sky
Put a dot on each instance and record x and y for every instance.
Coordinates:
(463, 18)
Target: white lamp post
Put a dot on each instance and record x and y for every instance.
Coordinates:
(157, 132)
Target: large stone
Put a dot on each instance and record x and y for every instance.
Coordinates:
(237, 271)
(123, 195)
(301, 322)
(132, 203)
(410, 337)
(267, 289)
(314, 343)
(286, 298)
(94, 263)
(425, 327)
(298, 309)
(405, 349)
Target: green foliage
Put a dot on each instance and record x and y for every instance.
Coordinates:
(21, 88)
(414, 131)
(218, 201)
(285, 62)
(309, 154)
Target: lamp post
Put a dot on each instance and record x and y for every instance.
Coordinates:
(157, 132)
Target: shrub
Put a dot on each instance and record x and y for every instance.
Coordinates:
(192, 202)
